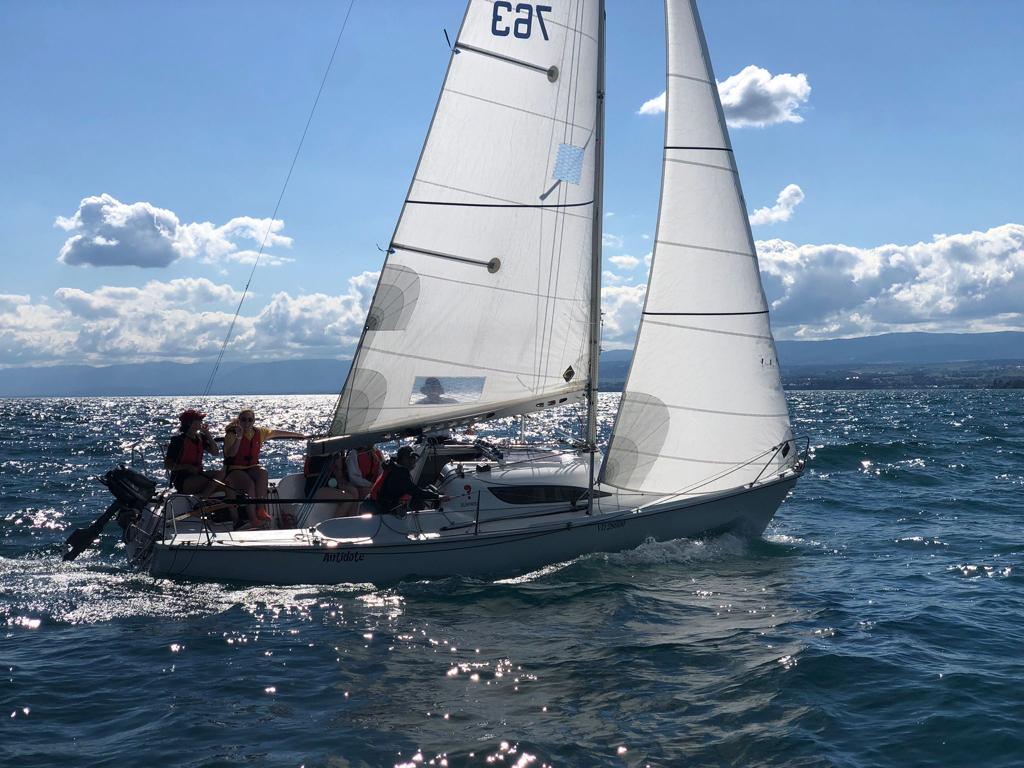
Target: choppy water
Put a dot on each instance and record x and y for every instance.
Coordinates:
(879, 621)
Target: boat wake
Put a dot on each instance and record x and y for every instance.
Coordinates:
(656, 553)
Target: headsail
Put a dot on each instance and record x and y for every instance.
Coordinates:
(704, 395)
(483, 302)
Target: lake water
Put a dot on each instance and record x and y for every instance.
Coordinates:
(878, 622)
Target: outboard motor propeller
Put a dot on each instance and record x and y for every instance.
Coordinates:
(132, 492)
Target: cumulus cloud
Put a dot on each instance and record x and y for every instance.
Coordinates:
(181, 320)
(614, 278)
(11, 300)
(608, 240)
(756, 98)
(962, 282)
(787, 201)
(624, 262)
(318, 321)
(655, 106)
(620, 307)
(105, 232)
(753, 98)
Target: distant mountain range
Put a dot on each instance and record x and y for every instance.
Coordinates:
(297, 377)
(327, 376)
(905, 348)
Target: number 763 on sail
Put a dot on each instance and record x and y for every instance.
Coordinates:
(518, 20)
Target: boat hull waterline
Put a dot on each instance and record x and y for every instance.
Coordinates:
(497, 554)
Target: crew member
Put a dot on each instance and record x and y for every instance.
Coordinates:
(394, 490)
(184, 459)
(242, 443)
(364, 465)
(433, 393)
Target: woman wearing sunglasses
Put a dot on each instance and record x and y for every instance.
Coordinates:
(242, 443)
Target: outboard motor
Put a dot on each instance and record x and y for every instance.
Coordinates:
(132, 492)
(132, 489)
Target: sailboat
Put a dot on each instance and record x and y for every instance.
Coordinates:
(488, 306)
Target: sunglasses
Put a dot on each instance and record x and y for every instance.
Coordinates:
(248, 419)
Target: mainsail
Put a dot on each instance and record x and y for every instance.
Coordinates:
(703, 407)
(483, 304)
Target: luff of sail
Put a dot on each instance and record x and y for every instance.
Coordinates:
(703, 408)
(483, 301)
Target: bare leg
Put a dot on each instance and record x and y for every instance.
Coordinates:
(260, 481)
(239, 480)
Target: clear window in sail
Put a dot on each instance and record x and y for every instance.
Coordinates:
(568, 164)
(446, 390)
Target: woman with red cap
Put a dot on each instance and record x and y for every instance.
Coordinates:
(184, 456)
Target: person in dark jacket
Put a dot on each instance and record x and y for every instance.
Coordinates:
(184, 458)
(395, 488)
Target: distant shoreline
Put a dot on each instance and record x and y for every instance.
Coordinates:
(889, 361)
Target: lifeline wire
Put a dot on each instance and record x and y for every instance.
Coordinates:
(273, 218)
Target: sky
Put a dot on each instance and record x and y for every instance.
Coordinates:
(143, 147)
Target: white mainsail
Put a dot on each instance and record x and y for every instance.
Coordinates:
(483, 304)
(703, 407)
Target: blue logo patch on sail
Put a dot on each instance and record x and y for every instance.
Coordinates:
(568, 164)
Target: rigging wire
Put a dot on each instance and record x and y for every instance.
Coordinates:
(273, 218)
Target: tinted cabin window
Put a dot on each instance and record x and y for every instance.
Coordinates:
(543, 494)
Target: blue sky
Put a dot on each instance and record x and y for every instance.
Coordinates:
(898, 122)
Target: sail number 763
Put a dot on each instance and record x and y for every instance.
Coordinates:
(521, 24)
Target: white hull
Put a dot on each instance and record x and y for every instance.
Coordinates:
(382, 549)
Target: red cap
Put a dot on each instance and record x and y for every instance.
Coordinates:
(187, 417)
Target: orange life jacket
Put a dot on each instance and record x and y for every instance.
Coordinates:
(248, 453)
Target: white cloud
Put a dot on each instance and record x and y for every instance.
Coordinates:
(959, 283)
(647, 258)
(787, 201)
(12, 300)
(963, 282)
(655, 106)
(318, 321)
(613, 278)
(620, 307)
(624, 262)
(183, 320)
(608, 240)
(107, 232)
(753, 97)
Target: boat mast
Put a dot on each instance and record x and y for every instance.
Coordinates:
(595, 261)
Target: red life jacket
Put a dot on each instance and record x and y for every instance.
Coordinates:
(405, 498)
(191, 453)
(375, 490)
(370, 462)
(248, 453)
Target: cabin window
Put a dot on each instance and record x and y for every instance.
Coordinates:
(446, 390)
(543, 494)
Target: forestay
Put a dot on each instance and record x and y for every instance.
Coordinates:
(703, 407)
(483, 301)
